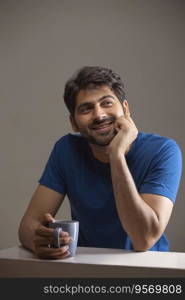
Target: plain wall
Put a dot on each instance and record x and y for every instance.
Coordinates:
(43, 43)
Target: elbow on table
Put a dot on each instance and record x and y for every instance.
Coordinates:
(141, 249)
(144, 245)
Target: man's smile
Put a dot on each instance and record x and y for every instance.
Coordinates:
(102, 127)
(106, 123)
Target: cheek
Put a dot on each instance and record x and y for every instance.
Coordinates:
(82, 123)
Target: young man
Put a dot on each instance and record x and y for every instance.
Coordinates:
(121, 183)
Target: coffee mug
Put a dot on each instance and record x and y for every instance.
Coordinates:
(72, 227)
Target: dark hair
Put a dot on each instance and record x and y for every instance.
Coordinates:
(92, 77)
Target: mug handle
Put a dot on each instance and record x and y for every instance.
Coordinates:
(56, 237)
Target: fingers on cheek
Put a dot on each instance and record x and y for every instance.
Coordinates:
(118, 127)
(120, 123)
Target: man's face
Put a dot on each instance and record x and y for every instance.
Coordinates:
(95, 114)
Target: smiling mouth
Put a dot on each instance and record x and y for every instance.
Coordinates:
(102, 127)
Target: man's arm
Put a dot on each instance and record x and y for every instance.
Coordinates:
(33, 233)
(144, 217)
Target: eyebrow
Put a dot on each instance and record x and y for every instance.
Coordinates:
(99, 100)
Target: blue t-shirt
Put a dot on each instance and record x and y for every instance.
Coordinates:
(155, 163)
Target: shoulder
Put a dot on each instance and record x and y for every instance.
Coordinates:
(69, 140)
(69, 146)
(158, 149)
(156, 142)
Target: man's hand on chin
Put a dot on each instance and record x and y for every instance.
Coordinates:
(126, 134)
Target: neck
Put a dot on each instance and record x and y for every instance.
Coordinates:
(100, 153)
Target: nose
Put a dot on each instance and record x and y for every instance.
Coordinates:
(99, 113)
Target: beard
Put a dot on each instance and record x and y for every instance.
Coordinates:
(101, 139)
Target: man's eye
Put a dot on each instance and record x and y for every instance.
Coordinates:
(107, 103)
(85, 110)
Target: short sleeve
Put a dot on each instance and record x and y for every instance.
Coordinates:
(164, 174)
(53, 176)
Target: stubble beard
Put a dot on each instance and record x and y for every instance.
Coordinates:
(102, 140)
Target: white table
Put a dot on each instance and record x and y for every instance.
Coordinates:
(93, 263)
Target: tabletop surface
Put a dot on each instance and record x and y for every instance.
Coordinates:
(109, 257)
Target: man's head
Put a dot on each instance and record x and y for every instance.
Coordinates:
(92, 78)
(95, 97)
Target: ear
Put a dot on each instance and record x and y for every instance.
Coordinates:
(73, 124)
(126, 108)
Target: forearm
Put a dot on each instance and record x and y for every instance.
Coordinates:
(27, 232)
(137, 217)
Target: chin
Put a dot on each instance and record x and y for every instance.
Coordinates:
(101, 143)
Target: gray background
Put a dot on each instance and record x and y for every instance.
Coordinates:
(43, 43)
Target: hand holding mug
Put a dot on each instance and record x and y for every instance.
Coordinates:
(44, 239)
(63, 226)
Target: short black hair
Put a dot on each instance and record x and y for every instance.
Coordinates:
(90, 77)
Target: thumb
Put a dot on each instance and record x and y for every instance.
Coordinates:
(48, 218)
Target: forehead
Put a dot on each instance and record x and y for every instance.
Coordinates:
(94, 94)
